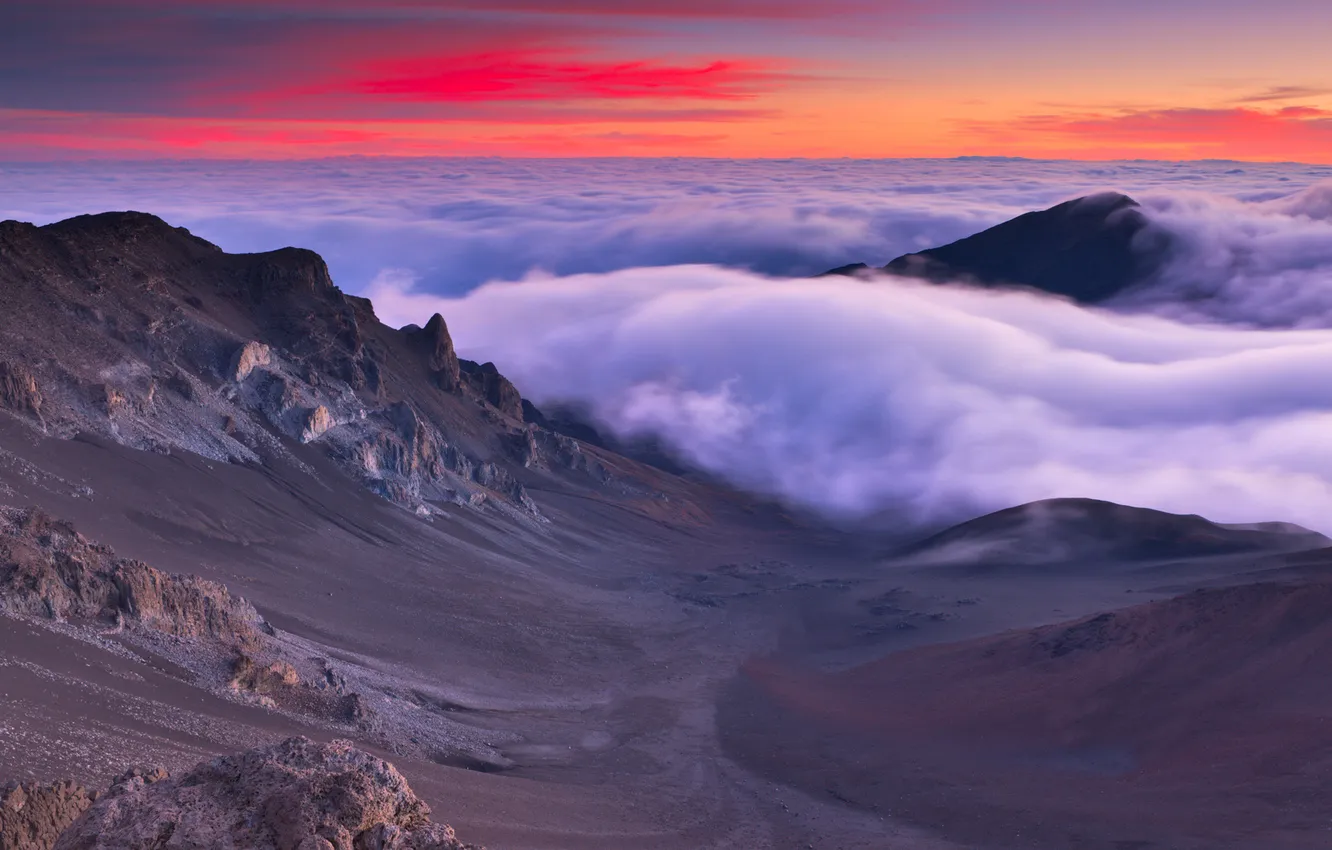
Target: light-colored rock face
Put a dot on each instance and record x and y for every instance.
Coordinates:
(47, 569)
(33, 816)
(250, 356)
(18, 390)
(297, 795)
(317, 424)
(248, 675)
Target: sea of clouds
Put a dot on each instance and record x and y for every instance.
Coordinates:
(667, 297)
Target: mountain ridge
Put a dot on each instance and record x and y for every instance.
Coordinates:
(183, 346)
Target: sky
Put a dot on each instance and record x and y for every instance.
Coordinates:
(300, 79)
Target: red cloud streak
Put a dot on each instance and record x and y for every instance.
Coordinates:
(520, 76)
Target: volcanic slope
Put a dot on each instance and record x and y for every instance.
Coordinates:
(533, 627)
(242, 509)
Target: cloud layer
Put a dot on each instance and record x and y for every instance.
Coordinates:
(1265, 263)
(457, 223)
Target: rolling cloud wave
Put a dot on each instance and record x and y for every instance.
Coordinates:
(858, 398)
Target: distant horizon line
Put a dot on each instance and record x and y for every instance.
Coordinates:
(996, 158)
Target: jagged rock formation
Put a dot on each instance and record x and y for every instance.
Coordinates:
(493, 387)
(1088, 249)
(245, 357)
(250, 356)
(18, 390)
(277, 684)
(296, 795)
(250, 675)
(51, 572)
(32, 815)
(47, 569)
(318, 422)
(436, 345)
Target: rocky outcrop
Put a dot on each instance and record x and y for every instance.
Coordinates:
(247, 674)
(565, 420)
(411, 462)
(47, 569)
(496, 389)
(250, 356)
(113, 401)
(317, 423)
(435, 344)
(182, 385)
(276, 684)
(296, 795)
(539, 448)
(19, 392)
(412, 453)
(32, 815)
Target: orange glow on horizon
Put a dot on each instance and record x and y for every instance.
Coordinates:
(718, 78)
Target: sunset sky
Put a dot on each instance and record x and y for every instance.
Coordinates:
(1160, 79)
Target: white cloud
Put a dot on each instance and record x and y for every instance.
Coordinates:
(854, 397)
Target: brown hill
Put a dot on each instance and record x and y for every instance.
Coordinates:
(1088, 532)
(1195, 722)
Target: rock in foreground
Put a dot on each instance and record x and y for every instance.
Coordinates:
(47, 569)
(32, 816)
(296, 795)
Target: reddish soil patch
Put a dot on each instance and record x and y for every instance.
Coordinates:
(1203, 721)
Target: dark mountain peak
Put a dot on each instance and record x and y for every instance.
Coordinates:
(126, 225)
(287, 271)
(1090, 530)
(134, 253)
(1097, 203)
(1088, 249)
(436, 327)
(132, 239)
(436, 345)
